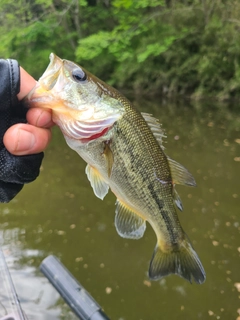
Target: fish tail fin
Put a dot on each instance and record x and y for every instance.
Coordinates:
(182, 261)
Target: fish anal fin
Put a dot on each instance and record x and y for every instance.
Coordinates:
(100, 187)
(128, 224)
(180, 175)
(182, 261)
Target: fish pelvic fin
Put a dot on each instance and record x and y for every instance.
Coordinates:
(100, 187)
(128, 224)
(182, 261)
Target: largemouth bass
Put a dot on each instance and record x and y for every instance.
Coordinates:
(123, 150)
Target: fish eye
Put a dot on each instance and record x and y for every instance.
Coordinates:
(79, 75)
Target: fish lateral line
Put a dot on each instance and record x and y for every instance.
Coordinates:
(163, 182)
(175, 195)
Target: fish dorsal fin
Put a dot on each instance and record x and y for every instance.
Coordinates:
(177, 199)
(180, 175)
(100, 187)
(128, 224)
(155, 127)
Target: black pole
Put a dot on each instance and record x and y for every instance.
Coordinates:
(78, 299)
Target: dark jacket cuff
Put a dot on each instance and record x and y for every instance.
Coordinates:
(9, 83)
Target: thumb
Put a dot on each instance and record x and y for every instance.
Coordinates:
(23, 139)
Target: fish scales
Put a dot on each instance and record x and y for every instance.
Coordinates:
(123, 151)
(143, 145)
(140, 189)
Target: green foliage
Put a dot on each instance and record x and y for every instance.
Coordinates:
(93, 45)
(155, 46)
(33, 29)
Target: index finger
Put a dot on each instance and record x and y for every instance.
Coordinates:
(40, 117)
(27, 83)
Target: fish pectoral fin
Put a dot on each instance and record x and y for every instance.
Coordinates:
(177, 199)
(182, 261)
(107, 152)
(128, 224)
(180, 175)
(100, 187)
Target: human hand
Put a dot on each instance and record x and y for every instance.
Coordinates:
(33, 137)
(20, 142)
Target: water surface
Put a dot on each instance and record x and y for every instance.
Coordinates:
(59, 214)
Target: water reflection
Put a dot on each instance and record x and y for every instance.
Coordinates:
(59, 214)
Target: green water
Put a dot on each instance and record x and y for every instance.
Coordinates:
(59, 214)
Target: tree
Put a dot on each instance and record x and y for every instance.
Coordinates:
(187, 47)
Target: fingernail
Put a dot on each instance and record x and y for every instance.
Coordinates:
(26, 140)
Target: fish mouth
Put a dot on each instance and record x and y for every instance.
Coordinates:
(40, 95)
(51, 74)
(84, 121)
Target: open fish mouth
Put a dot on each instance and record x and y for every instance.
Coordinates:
(51, 74)
(80, 109)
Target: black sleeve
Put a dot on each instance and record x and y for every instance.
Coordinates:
(15, 171)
